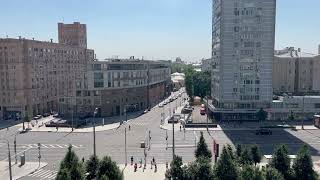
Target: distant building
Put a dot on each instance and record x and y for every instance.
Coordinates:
(73, 34)
(178, 60)
(243, 38)
(296, 72)
(206, 65)
(302, 107)
(118, 85)
(34, 74)
(178, 80)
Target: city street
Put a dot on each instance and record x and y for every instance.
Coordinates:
(112, 142)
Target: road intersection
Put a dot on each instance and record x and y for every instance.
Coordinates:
(112, 142)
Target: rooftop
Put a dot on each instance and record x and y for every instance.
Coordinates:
(290, 52)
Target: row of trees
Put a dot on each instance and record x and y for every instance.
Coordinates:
(197, 83)
(243, 164)
(71, 168)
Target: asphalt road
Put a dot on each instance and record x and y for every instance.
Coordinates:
(112, 142)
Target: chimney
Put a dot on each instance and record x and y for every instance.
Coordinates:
(19, 37)
(33, 39)
(51, 40)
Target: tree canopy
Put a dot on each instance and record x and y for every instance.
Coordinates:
(202, 148)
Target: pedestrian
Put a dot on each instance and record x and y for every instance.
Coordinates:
(83, 159)
(129, 127)
(135, 167)
(180, 128)
(167, 165)
(153, 161)
(131, 160)
(140, 163)
(151, 164)
(155, 167)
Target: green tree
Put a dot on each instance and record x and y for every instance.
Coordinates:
(202, 84)
(230, 151)
(246, 158)
(256, 154)
(70, 166)
(92, 167)
(273, 174)
(200, 169)
(291, 117)
(202, 148)
(63, 174)
(239, 150)
(109, 168)
(262, 115)
(225, 168)
(281, 161)
(175, 171)
(189, 82)
(250, 173)
(303, 166)
(77, 172)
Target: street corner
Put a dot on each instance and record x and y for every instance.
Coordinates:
(19, 171)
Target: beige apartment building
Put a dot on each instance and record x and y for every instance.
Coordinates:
(34, 74)
(118, 85)
(296, 72)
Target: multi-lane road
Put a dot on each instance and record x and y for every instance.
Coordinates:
(112, 142)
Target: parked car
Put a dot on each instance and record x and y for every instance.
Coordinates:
(37, 117)
(55, 115)
(263, 132)
(46, 115)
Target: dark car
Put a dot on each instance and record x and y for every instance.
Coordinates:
(46, 115)
(263, 132)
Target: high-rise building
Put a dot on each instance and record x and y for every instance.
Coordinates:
(34, 74)
(73, 34)
(242, 52)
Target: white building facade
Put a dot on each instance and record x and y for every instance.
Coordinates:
(242, 53)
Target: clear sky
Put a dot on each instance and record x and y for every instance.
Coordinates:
(158, 29)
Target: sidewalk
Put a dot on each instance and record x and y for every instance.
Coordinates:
(17, 171)
(78, 130)
(147, 174)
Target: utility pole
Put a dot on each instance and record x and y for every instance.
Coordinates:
(173, 146)
(125, 145)
(302, 126)
(72, 118)
(9, 157)
(94, 132)
(207, 114)
(15, 148)
(39, 156)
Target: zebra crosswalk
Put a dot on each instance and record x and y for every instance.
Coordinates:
(50, 146)
(44, 174)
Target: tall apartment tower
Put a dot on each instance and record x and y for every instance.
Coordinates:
(243, 33)
(73, 34)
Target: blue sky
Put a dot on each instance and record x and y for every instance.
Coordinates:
(155, 29)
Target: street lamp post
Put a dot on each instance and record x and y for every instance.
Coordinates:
(9, 158)
(15, 148)
(302, 126)
(173, 146)
(94, 132)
